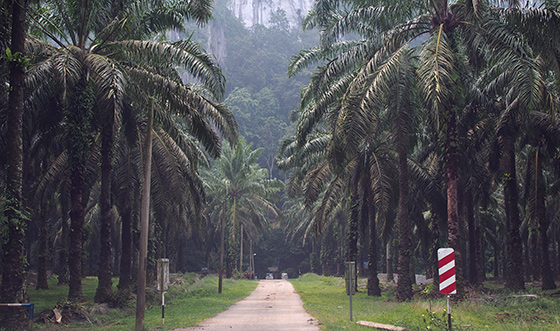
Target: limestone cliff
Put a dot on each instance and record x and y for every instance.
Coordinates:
(253, 12)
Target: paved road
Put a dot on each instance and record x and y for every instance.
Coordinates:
(273, 306)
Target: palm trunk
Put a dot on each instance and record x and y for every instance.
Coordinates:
(404, 285)
(222, 248)
(481, 261)
(473, 240)
(78, 114)
(43, 253)
(76, 232)
(545, 269)
(126, 251)
(241, 250)
(514, 276)
(451, 175)
(352, 238)
(63, 272)
(12, 289)
(390, 274)
(314, 264)
(533, 253)
(135, 229)
(144, 225)
(105, 286)
(373, 282)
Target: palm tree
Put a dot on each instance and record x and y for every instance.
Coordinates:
(542, 135)
(537, 23)
(441, 32)
(106, 52)
(241, 193)
(12, 288)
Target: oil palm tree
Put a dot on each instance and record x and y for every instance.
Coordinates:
(542, 138)
(106, 56)
(242, 196)
(12, 288)
(444, 35)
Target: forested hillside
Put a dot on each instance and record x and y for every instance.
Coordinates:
(255, 63)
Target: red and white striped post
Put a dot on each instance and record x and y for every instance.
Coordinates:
(447, 280)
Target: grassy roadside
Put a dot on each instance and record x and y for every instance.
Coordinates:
(186, 304)
(325, 299)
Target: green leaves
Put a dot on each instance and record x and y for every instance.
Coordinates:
(14, 218)
(18, 59)
(249, 195)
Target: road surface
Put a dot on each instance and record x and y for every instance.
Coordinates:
(273, 306)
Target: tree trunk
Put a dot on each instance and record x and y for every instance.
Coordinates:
(546, 271)
(126, 250)
(105, 285)
(514, 263)
(404, 285)
(135, 226)
(339, 250)
(12, 289)
(76, 228)
(222, 248)
(241, 250)
(373, 282)
(144, 225)
(313, 259)
(42, 282)
(533, 253)
(481, 267)
(451, 175)
(78, 115)
(352, 238)
(63, 272)
(390, 274)
(473, 257)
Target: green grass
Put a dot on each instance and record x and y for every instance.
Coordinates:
(326, 300)
(186, 304)
(189, 302)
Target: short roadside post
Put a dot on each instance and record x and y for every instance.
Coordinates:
(447, 281)
(163, 283)
(350, 278)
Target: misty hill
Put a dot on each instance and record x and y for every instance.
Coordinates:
(255, 62)
(254, 12)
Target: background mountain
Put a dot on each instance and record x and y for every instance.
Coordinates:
(254, 52)
(255, 12)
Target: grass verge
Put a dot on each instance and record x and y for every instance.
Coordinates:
(325, 299)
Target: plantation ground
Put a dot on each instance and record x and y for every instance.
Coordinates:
(191, 301)
(488, 308)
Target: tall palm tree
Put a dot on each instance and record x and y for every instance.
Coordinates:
(539, 24)
(444, 34)
(106, 52)
(543, 138)
(12, 288)
(241, 192)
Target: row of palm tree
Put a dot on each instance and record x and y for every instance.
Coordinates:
(418, 106)
(93, 69)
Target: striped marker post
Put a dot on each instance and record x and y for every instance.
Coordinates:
(446, 264)
(447, 280)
